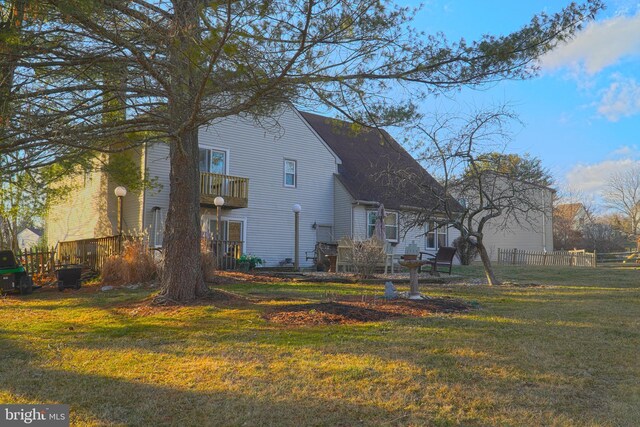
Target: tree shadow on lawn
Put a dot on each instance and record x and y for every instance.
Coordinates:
(111, 400)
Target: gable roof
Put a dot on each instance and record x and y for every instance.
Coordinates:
(36, 231)
(375, 168)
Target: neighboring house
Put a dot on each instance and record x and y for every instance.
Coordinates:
(569, 220)
(28, 238)
(526, 231)
(574, 214)
(338, 175)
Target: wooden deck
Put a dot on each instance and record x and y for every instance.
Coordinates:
(234, 190)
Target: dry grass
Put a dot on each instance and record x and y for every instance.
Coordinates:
(135, 265)
(565, 353)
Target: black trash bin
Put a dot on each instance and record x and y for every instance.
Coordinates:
(69, 276)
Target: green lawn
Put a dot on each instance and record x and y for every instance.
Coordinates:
(565, 353)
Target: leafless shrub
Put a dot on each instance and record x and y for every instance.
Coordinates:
(135, 265)
(466, 250)
(366, 255)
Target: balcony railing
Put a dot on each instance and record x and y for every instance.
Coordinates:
(234, 190)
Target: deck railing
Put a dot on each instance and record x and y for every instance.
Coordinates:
(226, 253)
(234, 189)
(91, 253)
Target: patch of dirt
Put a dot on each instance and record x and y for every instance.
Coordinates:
(350, 311)
(230, 277)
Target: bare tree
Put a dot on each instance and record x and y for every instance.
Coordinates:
(622, 194)
(161, 69)
(572, 212)
(482, 187)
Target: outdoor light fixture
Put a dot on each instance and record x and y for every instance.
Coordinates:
(296, 211)
(120, 192)
(219, 202)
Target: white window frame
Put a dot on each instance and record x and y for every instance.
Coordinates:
(371, 226)
(295, 173)
(430, 228)
(209, 151)
(207, 226)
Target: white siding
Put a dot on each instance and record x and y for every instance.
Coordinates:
(157, 166)
(359, 220)
(407, 236)
(258, 153)
(342, 205)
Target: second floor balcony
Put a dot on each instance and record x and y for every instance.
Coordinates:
(234, 190)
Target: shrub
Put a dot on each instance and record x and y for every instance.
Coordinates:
(366, 255)
(209, 265)
(136, 264)
(466, 250)
(249, 261)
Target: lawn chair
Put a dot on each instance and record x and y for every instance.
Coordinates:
(442, 262)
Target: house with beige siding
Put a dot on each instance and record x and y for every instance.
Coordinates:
(334, 172)
(530, 231)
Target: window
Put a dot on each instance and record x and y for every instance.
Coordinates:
(213, 161)
(390, 225)
(435, 237)
(290, 173)
(229, 229)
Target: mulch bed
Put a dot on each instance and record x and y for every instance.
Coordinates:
(350, 311)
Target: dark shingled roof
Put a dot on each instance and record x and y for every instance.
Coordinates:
(375, 168)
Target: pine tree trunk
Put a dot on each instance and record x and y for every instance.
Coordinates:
(182, 279)
(486, 262)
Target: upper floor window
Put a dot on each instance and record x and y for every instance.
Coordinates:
(290, 173)
(213, 161)
(390, 225)
(436, 237)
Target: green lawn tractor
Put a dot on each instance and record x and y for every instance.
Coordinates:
(13, 276)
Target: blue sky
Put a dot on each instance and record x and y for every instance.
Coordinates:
(582, 114)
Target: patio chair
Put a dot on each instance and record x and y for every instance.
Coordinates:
(442, 262)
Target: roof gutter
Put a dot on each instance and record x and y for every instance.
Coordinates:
(365, 202)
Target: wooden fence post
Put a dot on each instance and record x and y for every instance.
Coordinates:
(513, 257)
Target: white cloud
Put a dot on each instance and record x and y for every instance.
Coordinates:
(591, 179)
(598, 46)
(620, 99)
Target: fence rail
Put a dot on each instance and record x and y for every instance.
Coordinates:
(226, 253)
(91, 253)
(38, 260)
(579, 258)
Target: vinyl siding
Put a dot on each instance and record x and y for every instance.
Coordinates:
(257, 151)
(536, 234)
(342, 205)
(407, 236)
(83, 212)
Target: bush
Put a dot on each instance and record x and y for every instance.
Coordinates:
(466, 250)
(136, 264)
(366, 255)
(249, 262)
